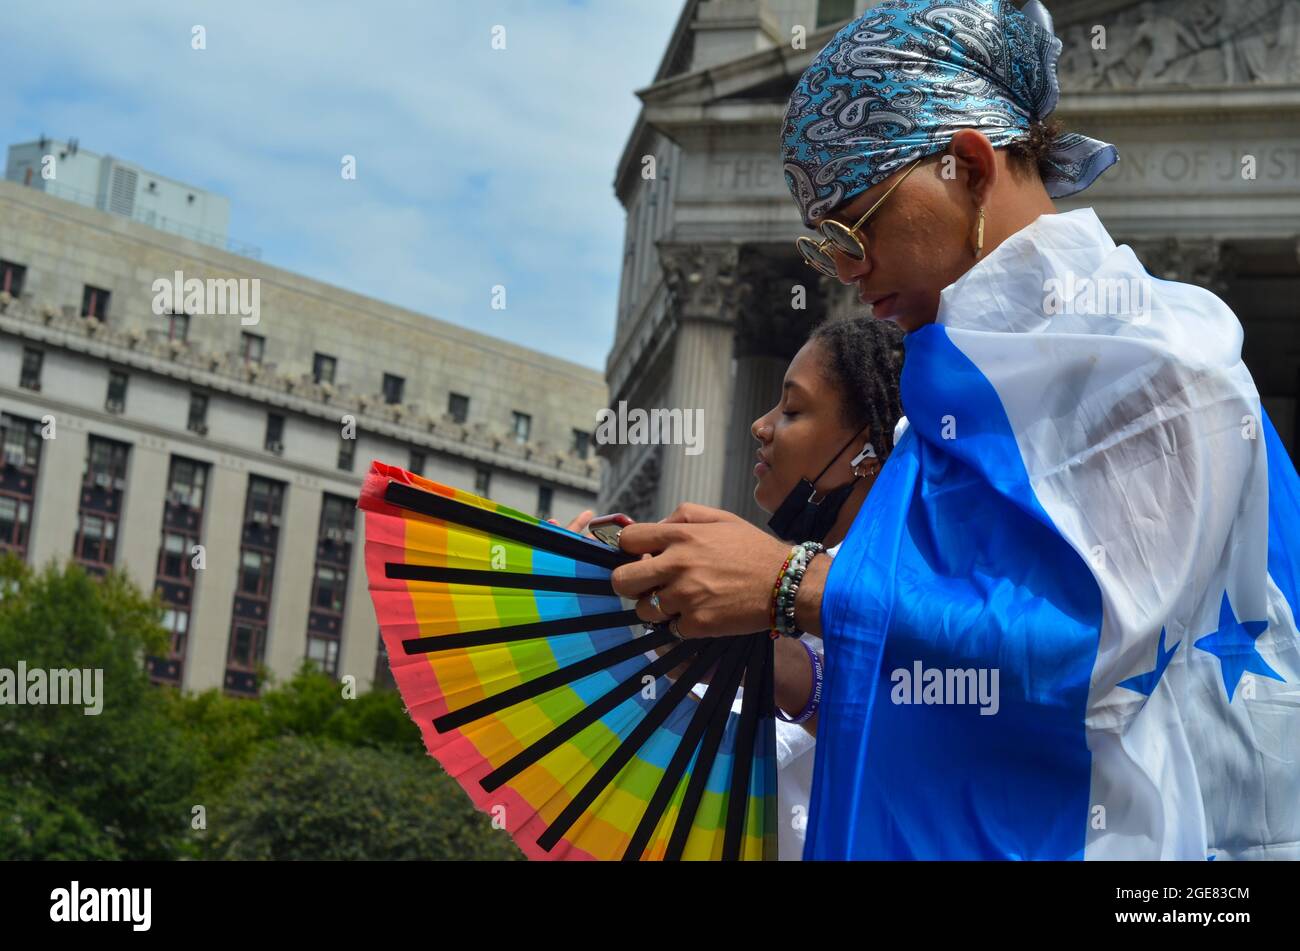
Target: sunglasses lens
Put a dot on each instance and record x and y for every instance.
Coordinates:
(843, 239)
(816, 256)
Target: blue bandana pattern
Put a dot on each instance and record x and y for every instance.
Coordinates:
(897, 83)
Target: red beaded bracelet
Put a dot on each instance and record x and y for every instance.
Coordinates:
(776, 589)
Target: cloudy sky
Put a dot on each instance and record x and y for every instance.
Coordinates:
(475, 166)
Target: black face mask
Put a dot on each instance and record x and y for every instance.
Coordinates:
(800, 518)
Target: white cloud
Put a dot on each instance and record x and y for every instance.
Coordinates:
(475, 166)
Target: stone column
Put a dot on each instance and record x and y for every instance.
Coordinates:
(782, 301)
(757, 389)
(140, 533)
(214, 590)
(58, 491)
(357, 653)
(286, 643)
(702, 284)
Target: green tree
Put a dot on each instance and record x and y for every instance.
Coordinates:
(112, 785)
(312, 799)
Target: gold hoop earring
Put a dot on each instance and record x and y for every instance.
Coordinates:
(979, 235)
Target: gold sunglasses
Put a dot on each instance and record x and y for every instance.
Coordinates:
(843, 238)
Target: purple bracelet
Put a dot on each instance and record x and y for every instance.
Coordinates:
(814, 698)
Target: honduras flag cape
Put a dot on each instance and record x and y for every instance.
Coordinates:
(1062, 625)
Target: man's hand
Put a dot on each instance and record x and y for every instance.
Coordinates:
(711, 568)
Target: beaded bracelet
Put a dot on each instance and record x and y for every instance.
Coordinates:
(772, 614)
(814, 697)
(787, 587)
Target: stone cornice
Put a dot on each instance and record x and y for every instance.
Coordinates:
(212, 372)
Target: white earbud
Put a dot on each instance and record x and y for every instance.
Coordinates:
(868, 452)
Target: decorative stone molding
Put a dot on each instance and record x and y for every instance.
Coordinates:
(639, 495)
(227, 373)
(1201, 261)
(702, 280)
(1186, 43)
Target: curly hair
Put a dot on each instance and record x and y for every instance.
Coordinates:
(864, 361)
(1030, 152)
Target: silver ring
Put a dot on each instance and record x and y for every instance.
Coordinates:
(654, 601)
(672, 629)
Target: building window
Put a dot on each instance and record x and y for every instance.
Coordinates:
(94, 302)
(96, 539)
(274, 433)
(330, 581)
(482, 482)
(106, 464)
(393, 387)
(21, 440)
(833, 11)
(30, 377)
(177, 622)
(116, 402)
(418, 459)
(458, 407)
(247, 646)
(336, 519)
(11, 278)
(545, 495)
(173, 561)
(251, 347)
(255, 569)
(523, 423)
(322, 368)
(175, 577)
(21, 443)
(252, 605)
(581, 444)
(186, 483)
(198, 418)
(328, 592)
(178, 327)
(347, 454)
(324, 653)
(15, 516)
(264, 500)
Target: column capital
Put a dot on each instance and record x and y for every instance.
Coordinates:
(702, 279)
(783, 303)
(1202, 261)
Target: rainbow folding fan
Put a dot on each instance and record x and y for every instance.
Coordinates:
(545, 698)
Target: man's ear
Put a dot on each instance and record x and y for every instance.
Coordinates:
(977, 163)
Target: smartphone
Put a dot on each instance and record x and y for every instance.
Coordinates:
(607, 527)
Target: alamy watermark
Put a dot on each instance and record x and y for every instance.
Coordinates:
(947, 686)
(653, 427)
(1126, 298)
(216, 296)
(59, 686)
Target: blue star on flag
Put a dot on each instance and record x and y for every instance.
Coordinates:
(1146, 683)
(1234, 644)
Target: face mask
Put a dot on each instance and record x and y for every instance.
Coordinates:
(800, 518)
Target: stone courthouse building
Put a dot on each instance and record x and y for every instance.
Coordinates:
(1201, 97)
(132, 438)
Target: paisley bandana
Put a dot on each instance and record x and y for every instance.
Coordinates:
(901, 80)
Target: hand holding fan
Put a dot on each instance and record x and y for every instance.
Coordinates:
(543, 696)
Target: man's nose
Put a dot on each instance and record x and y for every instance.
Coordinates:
(848, 269)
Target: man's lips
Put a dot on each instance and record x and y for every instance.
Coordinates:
(880, 304)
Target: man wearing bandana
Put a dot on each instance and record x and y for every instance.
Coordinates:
(1089, 509)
